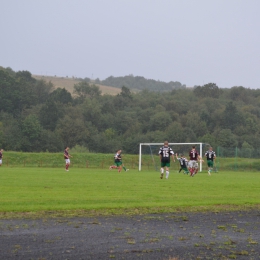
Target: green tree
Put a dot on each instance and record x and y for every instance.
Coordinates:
(61, 95)
(225, 138)
(50, 114)
(208, 90)
(31, 129)
(84, 90)
(72, 130)
(231, 118)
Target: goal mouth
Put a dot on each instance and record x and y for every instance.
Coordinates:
(179, 148)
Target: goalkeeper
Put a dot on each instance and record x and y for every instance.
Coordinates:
(183, 163)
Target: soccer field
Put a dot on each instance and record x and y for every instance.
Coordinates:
(50, 189)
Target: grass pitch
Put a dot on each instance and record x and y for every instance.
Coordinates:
(39, 190)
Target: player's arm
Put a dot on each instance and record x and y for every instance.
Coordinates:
(200, 158)
(160, 154)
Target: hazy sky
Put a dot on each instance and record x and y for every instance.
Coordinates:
(191, 41)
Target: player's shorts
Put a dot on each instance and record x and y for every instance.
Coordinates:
(193, 164)
(118, 163)
(67, 161)
(184, 168)
(165, 164)
(0, 161)
(210, 163)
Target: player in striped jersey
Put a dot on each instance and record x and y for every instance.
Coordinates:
(210, 155)
(118, 162)
(183, 163)
(165, 154)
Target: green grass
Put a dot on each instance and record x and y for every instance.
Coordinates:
(100, 191)
(101, 161)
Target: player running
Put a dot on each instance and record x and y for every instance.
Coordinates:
(210, 155)
(165, 154)
(183, 163)
(118, 162)
(193, 163)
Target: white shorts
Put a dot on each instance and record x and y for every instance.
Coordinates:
(67, 161)
(0, 161)
(193, 164)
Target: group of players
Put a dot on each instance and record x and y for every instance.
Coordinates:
(188, 167)
(165, 152)
(117, 159)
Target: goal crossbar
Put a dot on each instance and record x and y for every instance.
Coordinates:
(141, 144)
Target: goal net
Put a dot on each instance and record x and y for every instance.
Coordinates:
(149, 152)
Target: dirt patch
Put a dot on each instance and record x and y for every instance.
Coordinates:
(226, 235)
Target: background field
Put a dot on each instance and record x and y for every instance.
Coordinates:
(102, 161)
(68, 84)
(109, 192)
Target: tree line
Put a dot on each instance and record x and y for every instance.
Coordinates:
(36, 117)
(136, 83)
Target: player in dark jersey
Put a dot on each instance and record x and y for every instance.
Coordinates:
(183, 163)
(67, 158)
(193, 163)
(210, 155)
(118, 162)
(165, 154)
(1, 156)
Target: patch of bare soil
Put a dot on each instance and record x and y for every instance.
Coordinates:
(232, 235)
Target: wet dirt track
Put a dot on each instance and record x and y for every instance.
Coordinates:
(226, 235)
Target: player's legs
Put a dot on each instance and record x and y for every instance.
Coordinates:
(167, 172)
(191, 167)
(162, 169)
(210, 166)
(196, 168)
(125, 168)
(119, 166)
(185, 170)
(112, 167)
(67, 164)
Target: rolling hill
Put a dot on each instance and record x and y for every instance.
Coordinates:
(68, 84)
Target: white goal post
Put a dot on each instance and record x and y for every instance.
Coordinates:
(170, 144)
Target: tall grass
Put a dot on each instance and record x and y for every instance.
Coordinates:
(102, 161)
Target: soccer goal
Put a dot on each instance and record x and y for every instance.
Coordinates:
(180, 148)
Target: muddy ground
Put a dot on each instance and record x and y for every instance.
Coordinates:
(232, 235)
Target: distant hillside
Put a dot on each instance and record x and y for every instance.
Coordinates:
(140, 83)
(68, 84)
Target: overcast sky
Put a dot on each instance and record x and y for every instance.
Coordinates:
(191, 41)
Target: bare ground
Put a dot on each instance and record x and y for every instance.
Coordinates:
(225, 235)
